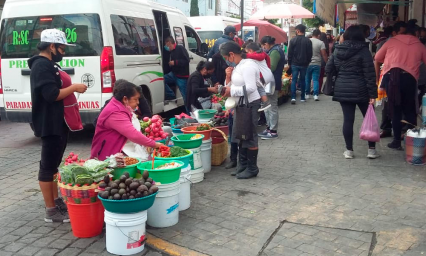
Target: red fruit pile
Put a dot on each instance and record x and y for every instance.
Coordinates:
(152, 128)
(73, 159)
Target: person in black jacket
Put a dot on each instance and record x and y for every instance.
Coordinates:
(197, 86)
(355, 83)
(179, 64)
(299, 57)
(48, 117)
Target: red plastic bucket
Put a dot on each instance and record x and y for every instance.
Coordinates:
(217, 140)
(224, 129)
(193, 130)
(87, 220)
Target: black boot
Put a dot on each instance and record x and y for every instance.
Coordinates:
(242, 162)
(252, 169)
(233, 157)
(395, 144)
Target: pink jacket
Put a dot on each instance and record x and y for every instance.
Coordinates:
(402, 51)
(113, 129)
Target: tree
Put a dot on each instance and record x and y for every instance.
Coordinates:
(194, 11)
(315, 22)
(274, 22)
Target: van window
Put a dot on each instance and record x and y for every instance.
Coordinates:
(209, 37)
(20, 36)
(179, 36)
(194, 41)
(134, 36)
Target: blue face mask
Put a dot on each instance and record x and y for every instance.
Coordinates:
(231, 64)
(166, 48)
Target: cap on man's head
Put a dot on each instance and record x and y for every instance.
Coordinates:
(54, 36)
(230, 29)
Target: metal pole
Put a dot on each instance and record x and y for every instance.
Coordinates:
(242, 17)
(423, 13)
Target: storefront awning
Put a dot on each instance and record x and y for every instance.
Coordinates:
(325, 9)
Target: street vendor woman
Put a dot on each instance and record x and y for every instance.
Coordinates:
(114, 126)
(54, 114)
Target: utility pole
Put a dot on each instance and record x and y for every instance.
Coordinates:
(242, 17)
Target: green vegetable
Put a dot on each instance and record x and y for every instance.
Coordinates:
(83, 179)
(178, 151)
(95, 165)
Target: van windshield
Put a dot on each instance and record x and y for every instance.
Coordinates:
(20, 36)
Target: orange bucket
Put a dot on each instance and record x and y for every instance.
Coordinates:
(192, 130)
(87, 220)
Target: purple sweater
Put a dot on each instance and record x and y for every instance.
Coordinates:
(113, 129)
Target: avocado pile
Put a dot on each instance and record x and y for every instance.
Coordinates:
(127, 187)
(220, 119)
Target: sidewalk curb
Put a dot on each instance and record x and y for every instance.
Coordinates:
(169, 248)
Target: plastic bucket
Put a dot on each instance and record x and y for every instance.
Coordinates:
(165, 211)
(195, 160)
(206, 155)
(87, 220)
(206, 113)
(193, 130)
(415, 150)
(131, 169)
(164, 176)
(224, 129)
(129, 205)
(197, 175)
(185, 190)
(125, 233)
(184, 141)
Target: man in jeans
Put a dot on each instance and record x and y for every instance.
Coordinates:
(314, 69)
(299, 57)
(179, 64)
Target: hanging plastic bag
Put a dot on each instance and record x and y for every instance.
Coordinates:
(370, 127)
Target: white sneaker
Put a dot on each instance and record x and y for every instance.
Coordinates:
(316, 98)
(302, 100)
(293, 101)
(349, 154)
(307, 96)
(372, 154)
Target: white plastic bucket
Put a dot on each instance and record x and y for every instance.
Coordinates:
(206, 155)
(196, 158)
(165, 211)
(197, 175)
(185, 190)
(125, 233)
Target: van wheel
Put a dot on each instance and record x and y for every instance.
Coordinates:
(32, 126)
(147, 95)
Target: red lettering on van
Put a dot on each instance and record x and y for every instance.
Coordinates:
(18, 104)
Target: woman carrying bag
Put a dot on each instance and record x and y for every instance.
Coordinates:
(241, 82)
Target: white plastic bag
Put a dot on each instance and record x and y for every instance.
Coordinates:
(231, 102)
(132, 149)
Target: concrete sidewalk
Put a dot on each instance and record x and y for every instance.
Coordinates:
(307, 199)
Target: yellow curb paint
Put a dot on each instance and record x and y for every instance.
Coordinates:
(169, 248)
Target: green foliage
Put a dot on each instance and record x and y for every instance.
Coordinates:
(274, 22)
(315, 22)
(235, 16)
(194, 11)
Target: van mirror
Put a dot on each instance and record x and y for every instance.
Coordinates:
(204, 48)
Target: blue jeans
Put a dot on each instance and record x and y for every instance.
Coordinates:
(295, 71)
(170, 78)
(313, 73)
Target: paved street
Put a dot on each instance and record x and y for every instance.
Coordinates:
(307, 199)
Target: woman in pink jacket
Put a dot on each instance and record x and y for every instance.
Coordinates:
(114, 126)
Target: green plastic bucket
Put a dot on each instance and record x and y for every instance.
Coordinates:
(186, 160)
(184, 141)
(129, 205)
(131, 169)
(206, 113)
(163, 176)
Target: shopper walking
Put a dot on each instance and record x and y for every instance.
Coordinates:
(245, 74)
(319, 54)
(355, 84)
(278, 62)
(402, 56)
(179, 64)
(228, 35)
(51, 89)
(299, 57)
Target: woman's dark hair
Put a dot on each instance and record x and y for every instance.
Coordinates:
(125, 88)
(387, 32)
(205, 64)
(412, 28)
(41, 46)
(323, 38)
(354, 33)
(267, 40)
(254, 47)
(228, 47)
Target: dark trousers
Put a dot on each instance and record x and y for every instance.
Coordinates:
(348, 109)
(234, 145)
(386, 124)
(407, 89)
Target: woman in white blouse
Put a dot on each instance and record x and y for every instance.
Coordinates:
(245, 72)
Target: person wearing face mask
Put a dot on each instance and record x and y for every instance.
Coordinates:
(54, 114)
(198, 91)
(114, 126)
(179, 64)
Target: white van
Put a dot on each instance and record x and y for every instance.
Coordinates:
(116, 39)
(210, 28)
